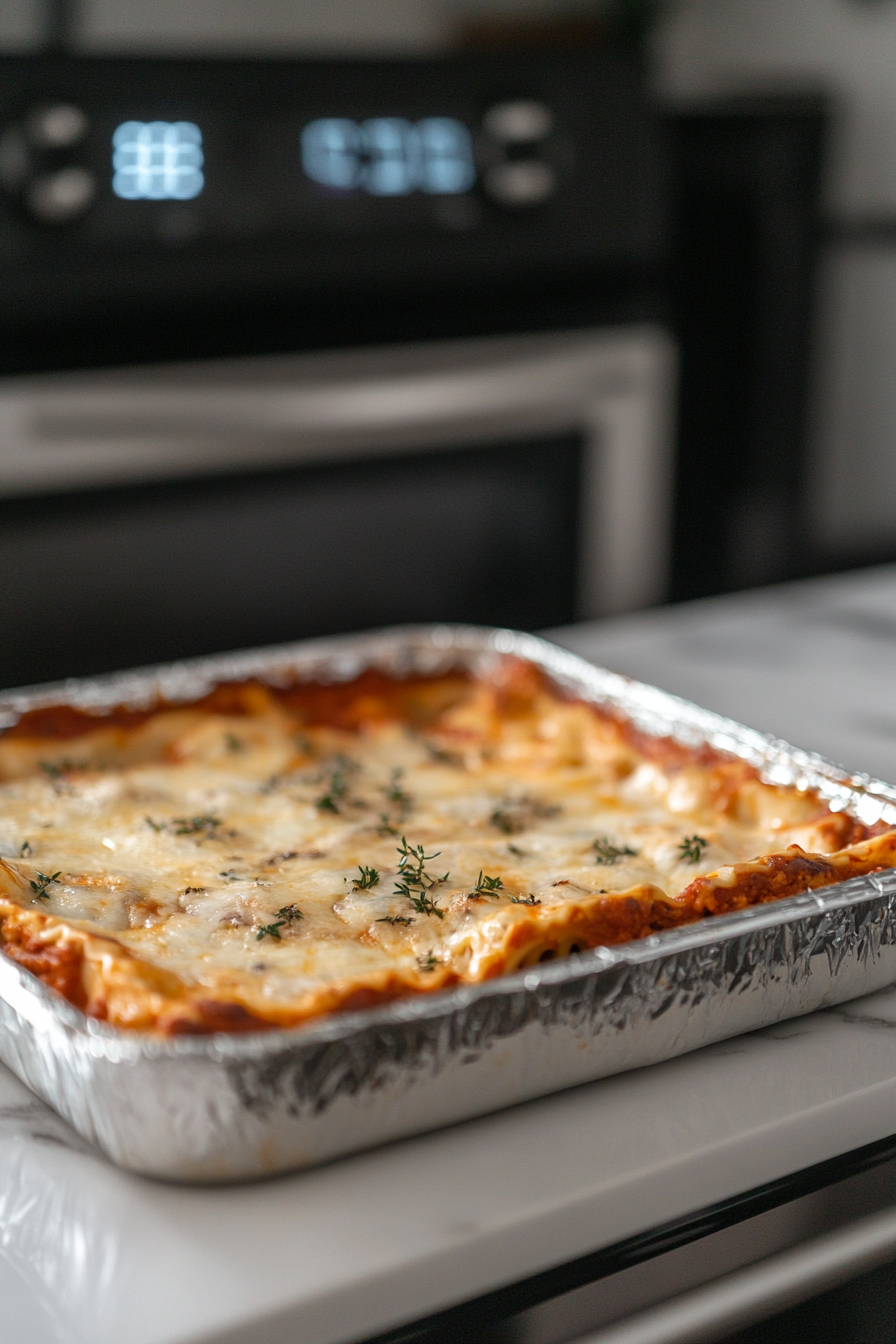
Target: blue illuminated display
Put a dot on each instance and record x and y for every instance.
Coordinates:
(388, 156)
(157, 161)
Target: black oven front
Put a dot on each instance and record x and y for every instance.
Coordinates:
(296, 347)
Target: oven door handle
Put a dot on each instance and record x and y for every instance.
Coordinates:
(70, 432)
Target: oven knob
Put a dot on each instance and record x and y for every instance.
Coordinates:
(520, 183)
(521, 122)
(61, 196)
(56, 126)
(39, 163)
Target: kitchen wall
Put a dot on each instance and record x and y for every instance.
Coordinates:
(849, 47)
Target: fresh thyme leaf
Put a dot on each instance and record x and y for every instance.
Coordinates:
(369, 878)
(441, 756)
(234, 743)
(486, 885)
(40, 886)
(64, 767)
(414, 882)
(609, 853)
(206, 825)
(397, 796)
(525, 900)
(385, 827)
(25, 849)
(520, 814)
(394, 919)
(329, 801)
(188, 891)
(270, 931)
(422, 902)
(413, 858)
(157, 826)
(288, 913)
(691, 848)
(231, 875)
(429, 963)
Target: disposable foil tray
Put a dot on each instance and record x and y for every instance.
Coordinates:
(229, 1107)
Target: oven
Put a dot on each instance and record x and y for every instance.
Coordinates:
(295, 347)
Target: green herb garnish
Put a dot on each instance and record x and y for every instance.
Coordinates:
(440, 756)
(286, 915)
(40, 886)
(269, 931)
(369, 878)
(422, 902)
(289, 913)
(428, 963)
(521, 814)
(329, 801)
(486, 885)
(412, 863)
(609, 853)
(691, 848)
(396, 795)
(394, 919)
(414, 882)
(206, 825)
(525, 900)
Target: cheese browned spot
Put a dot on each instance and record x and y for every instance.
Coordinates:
(269, 855)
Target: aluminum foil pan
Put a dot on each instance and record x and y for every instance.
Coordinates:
(230, 1107)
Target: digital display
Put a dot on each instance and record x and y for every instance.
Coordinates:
(388, 156)
(157, 161)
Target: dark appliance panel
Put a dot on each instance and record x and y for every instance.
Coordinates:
(166, 212)
(101, 579)
(178, 208)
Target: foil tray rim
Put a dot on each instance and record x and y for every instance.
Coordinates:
(341, 657)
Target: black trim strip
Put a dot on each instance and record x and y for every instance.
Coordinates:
(476, 1319)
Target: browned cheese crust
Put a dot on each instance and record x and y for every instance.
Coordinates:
(242, 863)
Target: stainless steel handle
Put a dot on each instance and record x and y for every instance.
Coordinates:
(612, 386)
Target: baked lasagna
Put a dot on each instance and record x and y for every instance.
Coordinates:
(270, 854)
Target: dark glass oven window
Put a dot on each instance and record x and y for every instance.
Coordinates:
(104, 579)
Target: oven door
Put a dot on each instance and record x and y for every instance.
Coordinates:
(164, 512)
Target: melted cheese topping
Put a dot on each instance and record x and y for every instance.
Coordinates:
(288, 868)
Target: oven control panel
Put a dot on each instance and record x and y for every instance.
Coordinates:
(46, 166)
(143, 182)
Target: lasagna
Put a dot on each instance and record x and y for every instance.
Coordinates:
(268, 855)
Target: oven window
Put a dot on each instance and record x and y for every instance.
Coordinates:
(98, 580)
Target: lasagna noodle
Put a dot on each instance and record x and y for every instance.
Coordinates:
(267, 856)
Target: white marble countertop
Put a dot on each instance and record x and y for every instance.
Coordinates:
(88, 1253)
